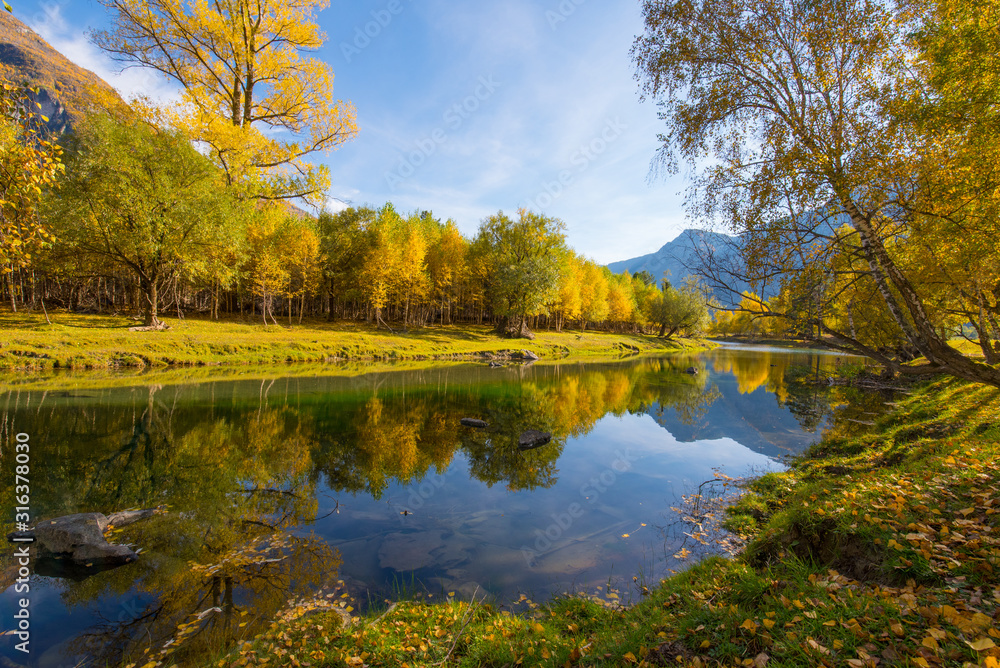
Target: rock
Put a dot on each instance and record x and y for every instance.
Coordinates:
(127, 517)
(533, 439)
(528, 355)
(495, 365)
(79, 538)
(473, 422)
(691, 370)
(404, 552)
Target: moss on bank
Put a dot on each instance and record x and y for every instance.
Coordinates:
(75, 341)
(878, 549)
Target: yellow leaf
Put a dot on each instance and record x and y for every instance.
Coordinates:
(930, 643)
(705, 644)
(749, 625)
(982, 644)
(630, 657)
(768, 623)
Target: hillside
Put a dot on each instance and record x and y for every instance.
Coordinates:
(682, 257)
(66, 89)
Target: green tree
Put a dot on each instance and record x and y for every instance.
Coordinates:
(680, 309)
(343, 245)
(521, 261)
(141, 198)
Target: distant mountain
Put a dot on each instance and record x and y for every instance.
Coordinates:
(66, 90)
(681, 258)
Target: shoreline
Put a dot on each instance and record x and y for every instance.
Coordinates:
(103, 343)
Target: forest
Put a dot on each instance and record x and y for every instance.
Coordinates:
(126, 216)
(192, 208)
(852, 153)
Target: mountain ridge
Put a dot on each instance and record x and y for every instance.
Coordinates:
(66, 90)
(679, 258)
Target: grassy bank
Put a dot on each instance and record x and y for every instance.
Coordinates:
(75, 341)
(878, 549)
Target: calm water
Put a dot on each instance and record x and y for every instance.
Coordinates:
(369, 485)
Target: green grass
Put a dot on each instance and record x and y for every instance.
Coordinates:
(874, 549)
(76, 341)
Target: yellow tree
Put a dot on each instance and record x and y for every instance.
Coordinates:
(793, 111)
(304, 260)
(411, 281)
(593, 294)
(244, 75)
(568, 302)
(266, 267)
(621, 300)
(447, 264)
(380, 267)
(28, 164)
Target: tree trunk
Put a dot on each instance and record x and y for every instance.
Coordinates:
(10, 286)
(150, 313)
(920, 332)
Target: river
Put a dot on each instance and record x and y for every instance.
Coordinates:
(368, 485)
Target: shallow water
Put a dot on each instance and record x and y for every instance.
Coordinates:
(368, 485)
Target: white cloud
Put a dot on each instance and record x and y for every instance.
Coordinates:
(72, 42)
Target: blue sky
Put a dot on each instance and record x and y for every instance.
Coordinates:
(466, 108)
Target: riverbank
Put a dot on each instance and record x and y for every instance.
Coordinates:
(874, 549)
(75, 341)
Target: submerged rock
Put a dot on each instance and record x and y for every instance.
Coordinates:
(78, 538)
(74, 546)
(533, 439)
(474, 422)
(404, 552)
(691, 370)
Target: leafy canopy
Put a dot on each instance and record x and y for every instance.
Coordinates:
(251, 94)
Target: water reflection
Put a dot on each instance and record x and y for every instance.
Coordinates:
(269, 483)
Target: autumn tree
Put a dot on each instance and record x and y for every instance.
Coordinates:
(246, 80)
(621, 299)
(29, 163)
(593, 294)
(141, 198)
(343, 245)
(380, 271)
(567, 303)
(447, 266)
(683, 308)
(794, 107)
(521, 258)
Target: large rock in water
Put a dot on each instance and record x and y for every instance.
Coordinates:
(78, 538)
(533, 439)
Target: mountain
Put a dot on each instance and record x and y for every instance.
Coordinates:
(66, 90)
(682, 257)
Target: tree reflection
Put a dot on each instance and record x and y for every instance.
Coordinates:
(240, 478)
